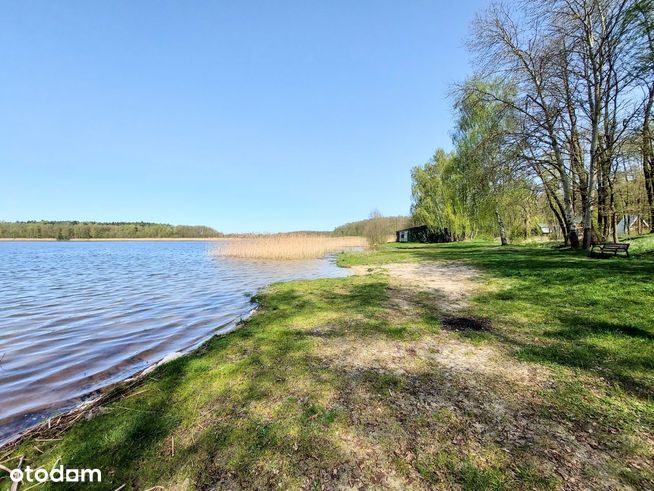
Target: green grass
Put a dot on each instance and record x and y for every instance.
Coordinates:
(595, 313)
(329, 385)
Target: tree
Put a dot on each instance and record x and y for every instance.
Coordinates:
(485, 153)
(375, 229)
(437, 197)
(569, 62)
(641, 17)
(480, 189)
(526, 58)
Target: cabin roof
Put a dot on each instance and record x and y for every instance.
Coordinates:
(411, 228)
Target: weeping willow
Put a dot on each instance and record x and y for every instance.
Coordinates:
(476, 190)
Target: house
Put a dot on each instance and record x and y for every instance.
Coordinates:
(632, 224)
(422, 233)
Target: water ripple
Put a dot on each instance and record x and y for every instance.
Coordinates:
(76, 317)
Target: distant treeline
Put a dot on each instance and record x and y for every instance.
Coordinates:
(65, 230)
(384, 225)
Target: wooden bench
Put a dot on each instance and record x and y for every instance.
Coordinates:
(612, 248)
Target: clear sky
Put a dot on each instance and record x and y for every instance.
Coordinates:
(241, 115)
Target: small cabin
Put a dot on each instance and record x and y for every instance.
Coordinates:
(422, 233)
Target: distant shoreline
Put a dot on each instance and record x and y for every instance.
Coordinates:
(154, 239)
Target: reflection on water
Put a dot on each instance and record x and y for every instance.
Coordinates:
(78, 316)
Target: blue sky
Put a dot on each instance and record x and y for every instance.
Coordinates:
(245, 116)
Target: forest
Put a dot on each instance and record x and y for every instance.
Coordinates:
(66, 230)
(554, 131)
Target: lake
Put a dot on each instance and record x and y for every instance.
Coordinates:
(76, 317)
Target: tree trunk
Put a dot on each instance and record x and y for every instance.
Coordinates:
(559, 218)
(648, 171)
(588, 204)
(649, 187)
(526, 221)
(647, 150)
(613, 222)
(500, 222)
(568, 211)
(552, 200)
(602, 215)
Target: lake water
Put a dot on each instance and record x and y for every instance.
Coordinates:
(78, 316)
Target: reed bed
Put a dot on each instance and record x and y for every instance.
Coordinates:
(284, 246)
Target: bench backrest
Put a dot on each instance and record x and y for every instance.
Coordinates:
(615, 247)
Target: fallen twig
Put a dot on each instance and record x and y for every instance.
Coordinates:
(134, 409)
(38, 483)
(135, 394)
(14, 485)
(6, 456)
(35, 485)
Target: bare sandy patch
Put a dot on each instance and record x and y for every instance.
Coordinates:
(451, 284)
(474, 398)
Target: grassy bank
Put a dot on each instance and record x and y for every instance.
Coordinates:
(355, 382)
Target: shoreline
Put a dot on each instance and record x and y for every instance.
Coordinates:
(426, 369)
(111, 393)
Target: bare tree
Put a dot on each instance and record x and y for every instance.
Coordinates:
(570, 61)
(641, 17)
(529, 57)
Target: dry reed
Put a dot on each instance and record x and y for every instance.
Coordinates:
(288, 246)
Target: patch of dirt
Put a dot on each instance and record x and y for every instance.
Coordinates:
(439, 392)
(466, 324)
(450, 284)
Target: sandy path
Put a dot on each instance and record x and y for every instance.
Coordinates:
(451, 284)
(491, 399)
